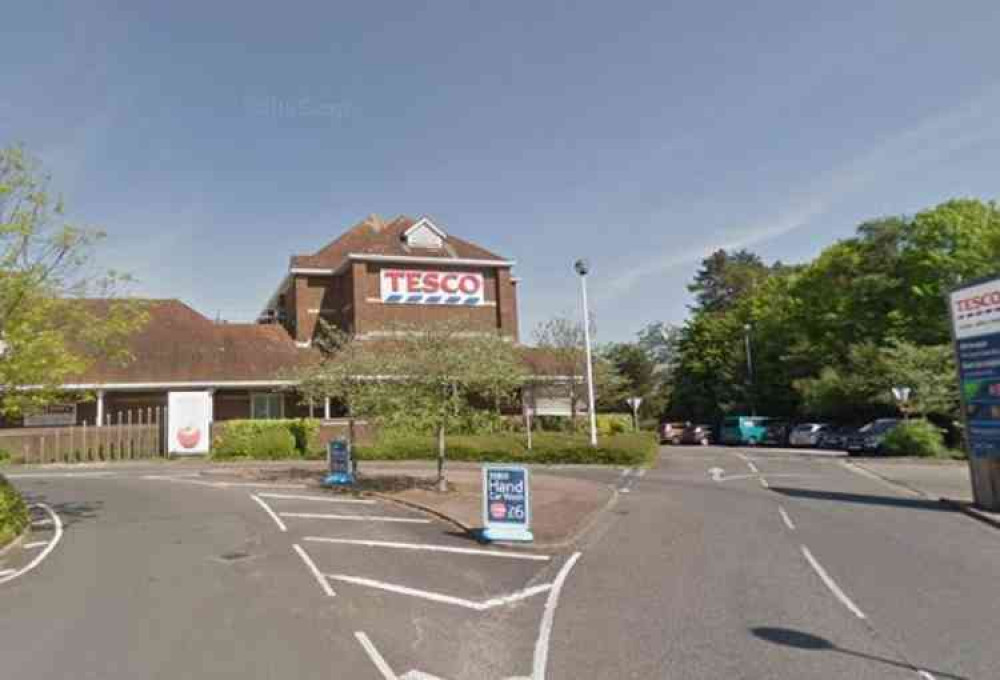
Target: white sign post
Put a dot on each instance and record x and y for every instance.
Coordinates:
(189, 422)
(634, 403)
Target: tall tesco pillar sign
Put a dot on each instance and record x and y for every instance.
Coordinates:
(189, 422)
(975, 318)
(415, 287)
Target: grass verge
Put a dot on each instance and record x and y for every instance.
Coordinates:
(13, 512)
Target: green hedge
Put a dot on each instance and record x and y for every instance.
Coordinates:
(13, 512)
(263, 439)
(914, 438)
(549, 448)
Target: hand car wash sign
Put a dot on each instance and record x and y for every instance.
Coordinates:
(418, 287)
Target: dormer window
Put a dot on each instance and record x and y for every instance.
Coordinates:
(424, 234)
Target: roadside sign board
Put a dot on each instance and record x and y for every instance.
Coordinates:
(189, 422)
(506, 503)
(339, 458)
(975, 317)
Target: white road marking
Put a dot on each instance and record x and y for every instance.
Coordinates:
(293, 497)
(354, 518)
(42, 522)
(224, 485)
(268, 510)
(625, 490)
(418, 675)
(832, 585)
(376, 658)
(441, 598)
(6, 572)
(48, 549)
(788, 520)
(753, 467)
(716, 474)
(429, 547)
(763, 483)
(36, 544)
(864, 472)
(926, 676)
(324, 584)
(720, 478)
(541, 659)
(60, 475)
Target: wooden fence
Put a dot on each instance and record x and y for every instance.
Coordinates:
(127, 435)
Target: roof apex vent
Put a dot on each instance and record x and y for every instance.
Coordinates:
(425, 234)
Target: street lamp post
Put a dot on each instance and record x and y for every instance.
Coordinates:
(583, 268)
(750, 380)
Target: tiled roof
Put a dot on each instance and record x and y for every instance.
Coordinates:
(178, 344)
(373, 236)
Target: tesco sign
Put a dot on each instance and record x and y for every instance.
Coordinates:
(416, 287)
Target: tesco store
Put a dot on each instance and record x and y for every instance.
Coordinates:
(375, 275)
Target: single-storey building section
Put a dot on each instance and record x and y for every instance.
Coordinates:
(373, 278)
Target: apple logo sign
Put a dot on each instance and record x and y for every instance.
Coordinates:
(189, 436)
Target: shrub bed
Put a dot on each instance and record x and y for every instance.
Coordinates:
(13, 512)
(549, 448)
(261, 439)
(915, 438)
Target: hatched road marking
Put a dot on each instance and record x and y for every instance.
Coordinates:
(429, 547)
(293, 497)
(441, 598)
(323, 583)
(57, 523)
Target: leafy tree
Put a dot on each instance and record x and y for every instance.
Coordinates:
(635, 372)
(46, 334)
(432, 375)
(726, 277)
(564, 339)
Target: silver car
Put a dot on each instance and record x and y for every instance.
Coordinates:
(806, 434)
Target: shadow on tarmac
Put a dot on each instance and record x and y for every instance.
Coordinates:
(797, 639)
(70, 513)
(913, 503)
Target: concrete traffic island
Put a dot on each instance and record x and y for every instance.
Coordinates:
(562, 507)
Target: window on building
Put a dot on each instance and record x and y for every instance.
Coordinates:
(267, 406)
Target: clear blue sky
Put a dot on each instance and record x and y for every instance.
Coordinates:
(214, 139)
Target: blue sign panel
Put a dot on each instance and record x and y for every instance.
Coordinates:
(979, 366)
(506, 503)
(338, 454)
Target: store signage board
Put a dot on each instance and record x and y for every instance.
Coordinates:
(506, 503)
(975, 317)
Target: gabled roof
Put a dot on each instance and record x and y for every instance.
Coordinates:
(177, 344)
(373, 236)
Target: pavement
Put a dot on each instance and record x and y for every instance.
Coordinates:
(716, 563)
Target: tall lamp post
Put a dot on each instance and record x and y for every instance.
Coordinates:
(583, 268)
(750, 381)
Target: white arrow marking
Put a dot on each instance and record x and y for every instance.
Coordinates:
(717, 473)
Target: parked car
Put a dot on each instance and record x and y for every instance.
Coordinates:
(744, 430)
(834, 438)
(776, 433)
(670, 433)
(870, 437)
(806, 434)
(697, 434)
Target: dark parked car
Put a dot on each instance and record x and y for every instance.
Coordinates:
(670, 433)
(777, 434)
(697, 434)
(870, 437)
(834, 438)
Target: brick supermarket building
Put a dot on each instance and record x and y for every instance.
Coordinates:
(377, 275)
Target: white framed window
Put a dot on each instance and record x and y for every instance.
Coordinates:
(267, 405)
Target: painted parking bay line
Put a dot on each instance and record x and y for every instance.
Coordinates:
(324, 499)
(269, 511)
(430, 548)
(314, 570)
(353, 518)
